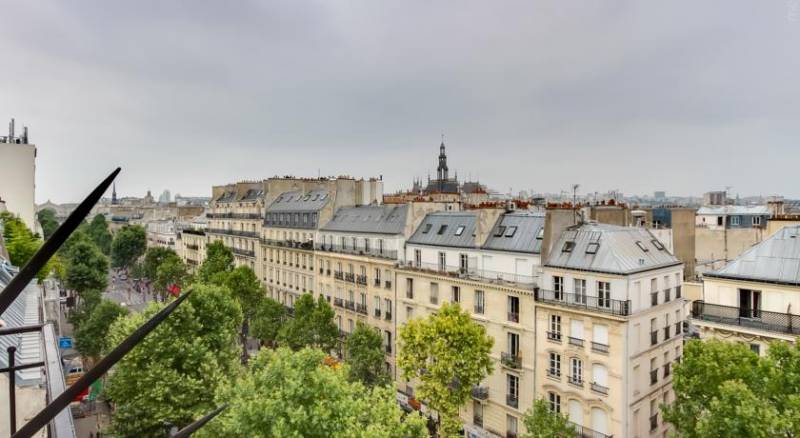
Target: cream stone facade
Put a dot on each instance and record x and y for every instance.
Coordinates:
(192, 247)
(235, 214)
(18, 176)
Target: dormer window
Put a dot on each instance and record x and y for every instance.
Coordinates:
(659, 246)
(540, 234)
(460, 230)
(641, 246)
(568, 246)
(500, 231)
(427, 228)
(442, 229)
(592, 247)
(510, 231)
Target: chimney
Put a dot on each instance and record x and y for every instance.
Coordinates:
(11, 131)
(487, 217)
(556, 221)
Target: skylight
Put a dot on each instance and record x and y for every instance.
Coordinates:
(442, 229)
(459, 230)
(659, 246)
(592, 247)
(568, 245)
(641, 246)
(540, 234)
(500, 230)
(511, 230)
(427, 228)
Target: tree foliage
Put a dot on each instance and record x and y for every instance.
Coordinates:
(97, 230)
(21, 243)
(267, 320)
(312, 325)
(541, 422)
(172, 270)
(153, 257)
(449, 354)
(294, 394)
(724, 389)
(173, 374)
(91, 336)
(128, 245)
(247, 290)
(218, 262)
(86, 268)
(365, 356)
(47, 219)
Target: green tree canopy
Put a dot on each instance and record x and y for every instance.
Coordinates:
(247, 290)
(294, 394)
(724, 389)
(365, 356)
(172, 270)
(86, 268)
(312, 325)
(128, 245)
(268, 319)
(218, 262)
(541, 422)
(47, 219)
(97, 230)
(173, 374)
(91, 336)
(153, 257)
(21, 243)
(448, 353)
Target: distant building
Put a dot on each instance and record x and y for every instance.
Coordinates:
(18, 175)
(722, 233)
(659, 196)
(715, 198)
(165, 197)
(443, 187)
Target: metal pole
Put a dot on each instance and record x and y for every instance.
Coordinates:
(12, 396)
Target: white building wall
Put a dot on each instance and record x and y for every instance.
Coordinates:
(17, 180)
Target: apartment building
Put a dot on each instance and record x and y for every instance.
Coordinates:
(609, 323)
(488, 261)
(356, 256)
(755, 298)
(234, 217)
(17, 175)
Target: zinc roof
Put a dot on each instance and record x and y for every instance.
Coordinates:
(299, 201)
(440, 229)
(775, 259)
(379, 219)
(518, 232)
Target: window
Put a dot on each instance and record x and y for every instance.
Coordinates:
(455, 294)
(460, 230)
(735, 220)
(427, 228)
(350, 325)
(377, 306)
(568, 245)
(600, 421)
(434, 293)
(511, 426)
(600, 375)
(756, 221)
(511, 231)
(755, 348)
(555, 402)
(512, 383)
(592, 247)
(575, 412)
(409, 312)
(513, 309)
(442, 229)
(442, 261)
(463, 262)
(641, 246)
(500, 231)
(555, 365)
(604, 294)
(479, 301)
(580, 291)
(513, 344)
(388, 307)
(366, 244)
(380, 246)
(555, 326)
(659, 246)
(410, 288)
(558, 287)
(418, 258)
(576, 329)
(719, 220)
(576, 370)
(749, 303)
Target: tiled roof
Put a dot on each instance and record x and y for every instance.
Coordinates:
(445, 229)
(517, 232)
(298, 201)
(775, 259)
(609, 248)
(379, 219)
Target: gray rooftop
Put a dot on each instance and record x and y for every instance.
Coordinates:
(253, 194)
(517, 232)
(378, 219)
(227, 196)
(610, 249)
(441, 229)
(299, 201)
(735, 210)
(775, 260)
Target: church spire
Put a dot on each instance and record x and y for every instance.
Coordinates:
(441, 171)
(114, 194)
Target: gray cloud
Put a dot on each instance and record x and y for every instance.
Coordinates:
(679, 96)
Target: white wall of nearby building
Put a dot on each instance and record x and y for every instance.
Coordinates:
(17, 180)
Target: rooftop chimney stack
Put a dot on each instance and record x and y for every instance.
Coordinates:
(11, 131)
(25, 134)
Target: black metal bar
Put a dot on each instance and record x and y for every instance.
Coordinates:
(22, 367)
(51, 245)
(22, 329)
(192, 428)
(12, 390)
(62, 401)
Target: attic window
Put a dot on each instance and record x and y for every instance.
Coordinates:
(442, 229)
(540, 234)
(427, 228)
(500, 230)
(568, 245)
(459, 230)
(659, 246)
(641, 246)
(592, 247)
(510, 232)
(306, 197)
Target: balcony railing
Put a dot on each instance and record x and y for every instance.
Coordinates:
(338, 302)
(596, 387)
(349, 276)
(339, 275)
(288, 243)
(389, 348)
(361, 308)
(470, 273)
(350, 305)
(434, 299)
(512, 400)
(511, 360)
(599, 348)
(554, 336)
(372, 252)
(513, 316)
(744, 317)
(240, 233)
(585, 432)
(575, 380)
(192, 247)
(361, 279)
(595, 304)
(480, 392)
(234, 216)
(243, 252)
(388, 315)
(377, 282)
(554, 373)
(578, 342)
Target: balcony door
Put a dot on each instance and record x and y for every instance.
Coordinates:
(749, 303)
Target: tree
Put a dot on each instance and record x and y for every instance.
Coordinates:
(22, 244)
(541, 422)
(294, 394)
(449, 354)
(171, 271)
(743, 391)
(267, 321)
(128, 245)
(247, 290)
(47, 219)
(218, 262)
(153, 257)
(91, 336)
(84, 307)
(174, 373)
(312, 325)
(86, 268)
(98, 232)
(365, 356)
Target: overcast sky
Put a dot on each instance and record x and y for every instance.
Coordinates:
(637, 96)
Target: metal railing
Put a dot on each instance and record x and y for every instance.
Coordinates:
(234, 216)
(480, 392)
(678, 327)
(478, 308)
(511, 360)
(361, 279)
(554, 336)
(575, 380)
(350, 305)
(377, 313)
(288, 243)
(361, 308)
(371, 252)
(596, 387)
(338, 302)
(470, 273)
(252, 234)
(513, 316)
(243, 252)
(578, 342)
(744, 317)
(599, 348)
(585, 432)
(512, 400)
(585, 302)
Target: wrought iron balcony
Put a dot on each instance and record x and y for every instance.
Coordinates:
(585, 432)
(599, 348)
(349, 276)
(371, 252)
(479, 309)
(745, 317)
(377, 312)
(338, 302)
(654, 422)
(584, 302)
(598, 388)
(377, 282)
(477, 420)
(678, 327)
(468, 272)
(252, 234)
(578, 342)
(389, 348)
(480, 392)
(361, 308)
(339, 275)
(243, 252)
(677, 291)
(667, 370)
(511, 360)
(350, 305)
(554, 336)
(667, 333)
(361, 279)
(575, 380)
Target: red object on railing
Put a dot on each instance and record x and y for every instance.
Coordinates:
(174, 289)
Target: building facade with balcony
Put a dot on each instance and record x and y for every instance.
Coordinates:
(754, 299)
(609, 324)
(487, 261)
(235, 214)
